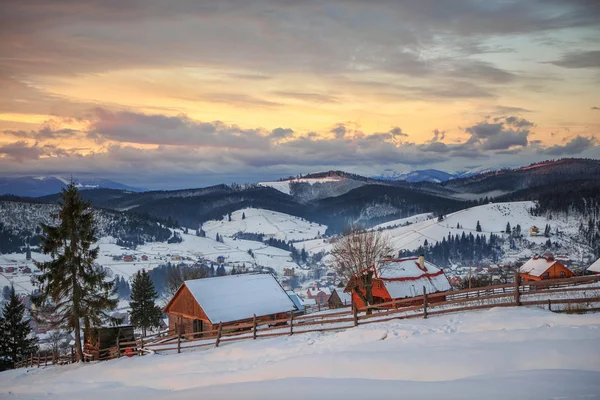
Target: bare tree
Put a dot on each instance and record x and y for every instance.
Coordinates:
(358, 256)
(180, 275)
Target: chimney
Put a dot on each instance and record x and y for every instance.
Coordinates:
(422, 261)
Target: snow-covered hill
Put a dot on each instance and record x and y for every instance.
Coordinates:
(494, 354)
(35, 186)
(270, 223)
(492, 217)
(284, 186)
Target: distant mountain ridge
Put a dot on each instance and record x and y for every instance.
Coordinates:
(36, 186)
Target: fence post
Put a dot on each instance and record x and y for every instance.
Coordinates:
(31, 359)
(254, 327)
(178, 342)
(517, 292)
(141, 353)
(118, 347)
(318, 306)
(219, 334)
(72, 355)
(53, 358)
(38, 359)
(424, 302)
(292, 322)
(355, 314)
(549, 305)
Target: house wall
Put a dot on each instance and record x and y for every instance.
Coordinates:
(380, 293)
(554, 272)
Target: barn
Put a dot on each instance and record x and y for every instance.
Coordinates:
(403, 278)
(200, 304)
(339, 299)
(543, 267)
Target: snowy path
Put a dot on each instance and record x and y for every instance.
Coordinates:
(489, 354)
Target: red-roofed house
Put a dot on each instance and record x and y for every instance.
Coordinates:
(404, 278)
(546, 267)
(320, 295)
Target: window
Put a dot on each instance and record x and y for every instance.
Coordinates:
(546, 275)
(562, 274)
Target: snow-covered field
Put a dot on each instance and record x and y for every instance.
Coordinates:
(509, 353)
(271, 223)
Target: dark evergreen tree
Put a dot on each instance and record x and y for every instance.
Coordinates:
(144, 311)
(547, 230)
(72, 283)
(508, 229)
(229, 217)
(478, 227)
(28, 253)
(243, 215)
(16, 341)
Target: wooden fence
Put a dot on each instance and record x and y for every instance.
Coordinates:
(553, 294)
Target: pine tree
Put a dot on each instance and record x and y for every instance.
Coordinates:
(15, 332)
(478, 227)
(72, 283)
(144, 311)
(229, 217)
(508, 228)
(243, 215)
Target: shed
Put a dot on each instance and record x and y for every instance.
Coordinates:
(102, 338)
(403, 278)
(200, 304)
(339, 299)
(539, 268)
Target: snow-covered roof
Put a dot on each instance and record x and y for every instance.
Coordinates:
(404, 277)
(595, 267)
(238, 297)
(314, 292)
(346, 298)
(295, 299)
(537, 266)
(406, 268)
(414, 287)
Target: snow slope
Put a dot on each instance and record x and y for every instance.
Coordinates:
(284, 186)
(493, 354)
(271, 223)
(493, 218)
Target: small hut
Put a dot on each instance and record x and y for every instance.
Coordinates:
(339, 299)
(100, 340)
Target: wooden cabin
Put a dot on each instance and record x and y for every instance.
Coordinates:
(396, 279)
(339, 299)
(543, 267)
(97, 340)
(201, 304)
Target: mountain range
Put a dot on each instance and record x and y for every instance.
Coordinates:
(35, 186)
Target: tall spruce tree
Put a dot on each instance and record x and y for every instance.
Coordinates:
(15, 339)
(144, 311)
(72, 283)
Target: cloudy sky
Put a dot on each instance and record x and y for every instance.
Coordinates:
(182, 93)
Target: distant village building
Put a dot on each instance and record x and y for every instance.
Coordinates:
(403, 278)
(128, 258)
(26, 270)
(534, 231)
(339, 299)
(220, 259)
(543, 267)
(320, 295)
(144, 258)
(201, 304)
(289, 272)
(10, 270)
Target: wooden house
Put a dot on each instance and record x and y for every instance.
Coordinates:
(128, 258)
(595, 267)
(402, 278)
(144, 258)
(339, 299)
(534, 231)
(201, 304)
(543, 267)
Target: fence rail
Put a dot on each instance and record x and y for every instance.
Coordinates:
(570, 292)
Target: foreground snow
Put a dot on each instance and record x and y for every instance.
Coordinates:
(500, 353)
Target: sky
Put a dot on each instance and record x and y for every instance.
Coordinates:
(187, 93)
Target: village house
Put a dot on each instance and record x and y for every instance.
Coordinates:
(201, 304)
(595, 267)
(403, 278)
(144, 258)
(534, 231)
(320, 295)
(543, 267)
(128, 258)
(339, 299)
